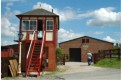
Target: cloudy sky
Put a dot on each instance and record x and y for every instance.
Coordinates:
(95, 18)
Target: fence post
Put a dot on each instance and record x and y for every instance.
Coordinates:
(64, 59)
(94, 58)
(99, 57)
(119, 53)
(110, 52)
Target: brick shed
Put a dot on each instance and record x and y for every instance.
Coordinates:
(76, 49)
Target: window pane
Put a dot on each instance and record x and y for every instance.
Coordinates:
(87, 40)
(47, 27)
(32, 25)
(50, 25)
(83, 40)
(32, 22)
(25, 25)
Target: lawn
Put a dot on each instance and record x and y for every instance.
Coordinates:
(109, 62)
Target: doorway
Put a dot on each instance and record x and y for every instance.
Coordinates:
(39, 29)
(75, 54)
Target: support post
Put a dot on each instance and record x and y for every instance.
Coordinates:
(19, 66)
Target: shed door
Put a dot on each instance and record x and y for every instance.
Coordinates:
(75, 54)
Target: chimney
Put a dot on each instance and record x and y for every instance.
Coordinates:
(52, 10)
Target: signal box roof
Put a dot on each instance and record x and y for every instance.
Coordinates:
(37, 12)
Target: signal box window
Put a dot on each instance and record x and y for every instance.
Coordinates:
(29, 24)
(49, 25)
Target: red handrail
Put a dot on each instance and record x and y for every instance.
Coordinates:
(41, 52)
(30, 53)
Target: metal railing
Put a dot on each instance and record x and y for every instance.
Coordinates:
(43, 40)
(30, 44)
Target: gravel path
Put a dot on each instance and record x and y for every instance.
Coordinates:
(75, 69)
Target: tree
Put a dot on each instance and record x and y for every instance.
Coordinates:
(117, 46)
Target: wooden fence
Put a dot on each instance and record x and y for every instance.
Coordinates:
(112, 53)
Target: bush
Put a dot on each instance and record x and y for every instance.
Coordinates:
(109, 62)
(60, 56)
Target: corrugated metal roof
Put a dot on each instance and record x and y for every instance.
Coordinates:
(38, 12)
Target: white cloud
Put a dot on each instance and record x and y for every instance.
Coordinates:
(66, 14)
(7, 28)
(99, 17)
(65, 35)
(98, 32)
(8, 25)
(105, 17)
(108, 38)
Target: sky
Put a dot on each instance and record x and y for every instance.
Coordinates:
(99, 19)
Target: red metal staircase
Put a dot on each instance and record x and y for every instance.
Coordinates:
(34, 56)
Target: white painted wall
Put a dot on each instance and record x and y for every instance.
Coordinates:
(49, 36)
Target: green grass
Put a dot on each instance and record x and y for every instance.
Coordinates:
(110, 63)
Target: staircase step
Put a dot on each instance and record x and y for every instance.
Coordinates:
(36, 53)
(36, 61)
(37, 47)
(33, 73)
(34, 68)
(34, 65)
(35, 56)
(36, 50)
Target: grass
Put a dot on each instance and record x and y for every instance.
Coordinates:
(110, 63)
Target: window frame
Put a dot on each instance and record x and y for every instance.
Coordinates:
(85, 40)
(29, 29)
(52, 25)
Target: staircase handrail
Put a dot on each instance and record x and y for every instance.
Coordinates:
(30, 44)
(43, 40)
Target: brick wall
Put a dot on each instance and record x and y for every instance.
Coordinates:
(51, 56)
(94, 45)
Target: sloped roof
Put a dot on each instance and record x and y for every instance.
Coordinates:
(86, 37)
(37, 12)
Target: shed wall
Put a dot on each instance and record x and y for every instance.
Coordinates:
(94, 46)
